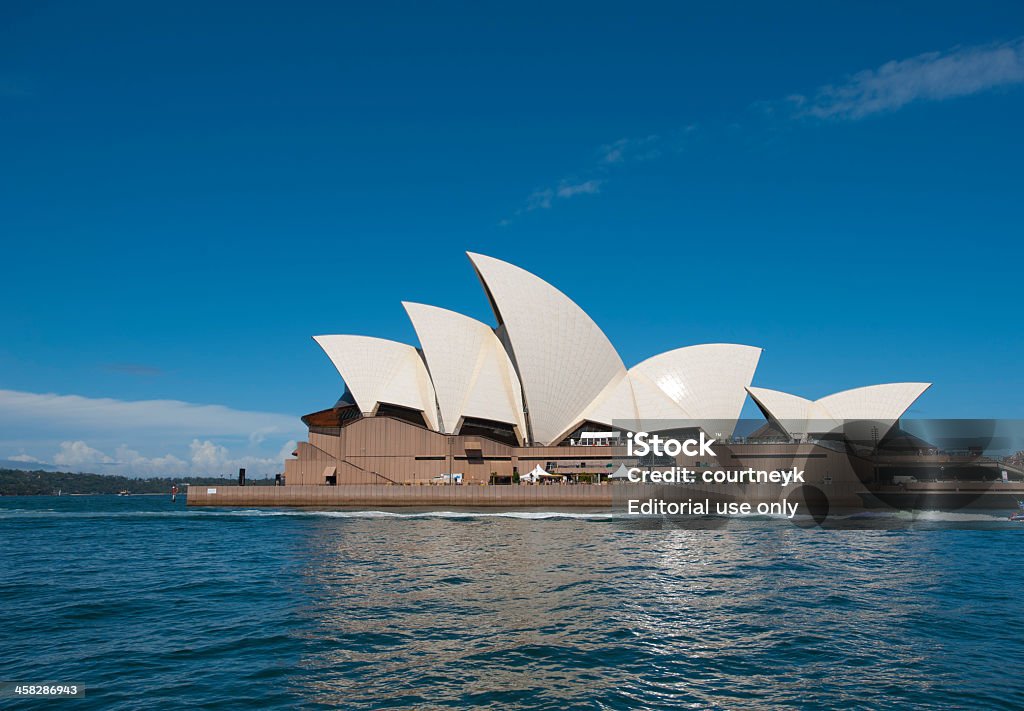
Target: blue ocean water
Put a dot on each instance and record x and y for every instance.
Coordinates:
(150, 605)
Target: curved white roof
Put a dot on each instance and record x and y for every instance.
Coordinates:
(378, 371)
(472, 374)
(707, 381)
(616, 406)
(563, 359)
(790, 411)
(656, 410)
(873, 402)
(697, 386)
(857, 411)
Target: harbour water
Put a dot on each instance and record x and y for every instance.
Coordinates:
(150, 605)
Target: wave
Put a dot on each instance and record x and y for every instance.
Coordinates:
(527, 515)
(300, 513)
(951, 516)
(895, 516)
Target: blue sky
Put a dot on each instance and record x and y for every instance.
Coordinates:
(189, 193)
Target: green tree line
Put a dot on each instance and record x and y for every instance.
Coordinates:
(15, 482)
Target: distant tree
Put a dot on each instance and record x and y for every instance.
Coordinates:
(16, 482)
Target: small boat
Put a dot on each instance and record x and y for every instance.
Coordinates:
(1019, 516)
(124, 492)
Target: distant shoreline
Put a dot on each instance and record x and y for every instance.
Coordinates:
(20, 482)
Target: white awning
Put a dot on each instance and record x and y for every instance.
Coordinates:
(620, 473)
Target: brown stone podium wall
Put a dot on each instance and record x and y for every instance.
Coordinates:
(383, 450)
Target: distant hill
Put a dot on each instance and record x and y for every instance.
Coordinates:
(17, 482)
(20, 466)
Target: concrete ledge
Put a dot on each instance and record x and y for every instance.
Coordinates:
(583, 495)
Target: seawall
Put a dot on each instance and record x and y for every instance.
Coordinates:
(838, 495)
(582, 495)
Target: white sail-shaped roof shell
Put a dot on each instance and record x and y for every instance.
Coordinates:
(469, 367)
(873, 402)
(616, 405)
(379, 371)
(708, 382)
(563, 359)
(870, 411)
(791, 412)
(697, 386)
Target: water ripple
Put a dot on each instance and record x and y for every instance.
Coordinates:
(151, 605)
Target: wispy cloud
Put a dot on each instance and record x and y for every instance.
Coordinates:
(626, 149)
(544, 199)
(932, 76)
(608, 157)
(24, 459)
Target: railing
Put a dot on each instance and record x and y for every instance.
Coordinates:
(368, 471)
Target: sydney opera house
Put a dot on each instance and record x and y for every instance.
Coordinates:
(545, 387)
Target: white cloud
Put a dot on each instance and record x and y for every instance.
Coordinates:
(130, 462)
(78, 454)
(206, 458)
(207, 455)
(543, 199)
(145, 437)
(169, 416)
(588, 188)
(624, 149)
(210, 458)
(610, 156)
(932, 76)
(286, 450)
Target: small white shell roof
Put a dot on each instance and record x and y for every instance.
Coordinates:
(471, 372)
(874, 402)
(790, 411)
(563, 359)
(881, 404)
(378, 371)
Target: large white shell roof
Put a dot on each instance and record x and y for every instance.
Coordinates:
(696, 386)
(707, 382)
(472, 374)
(564, 360)
(379, 371)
